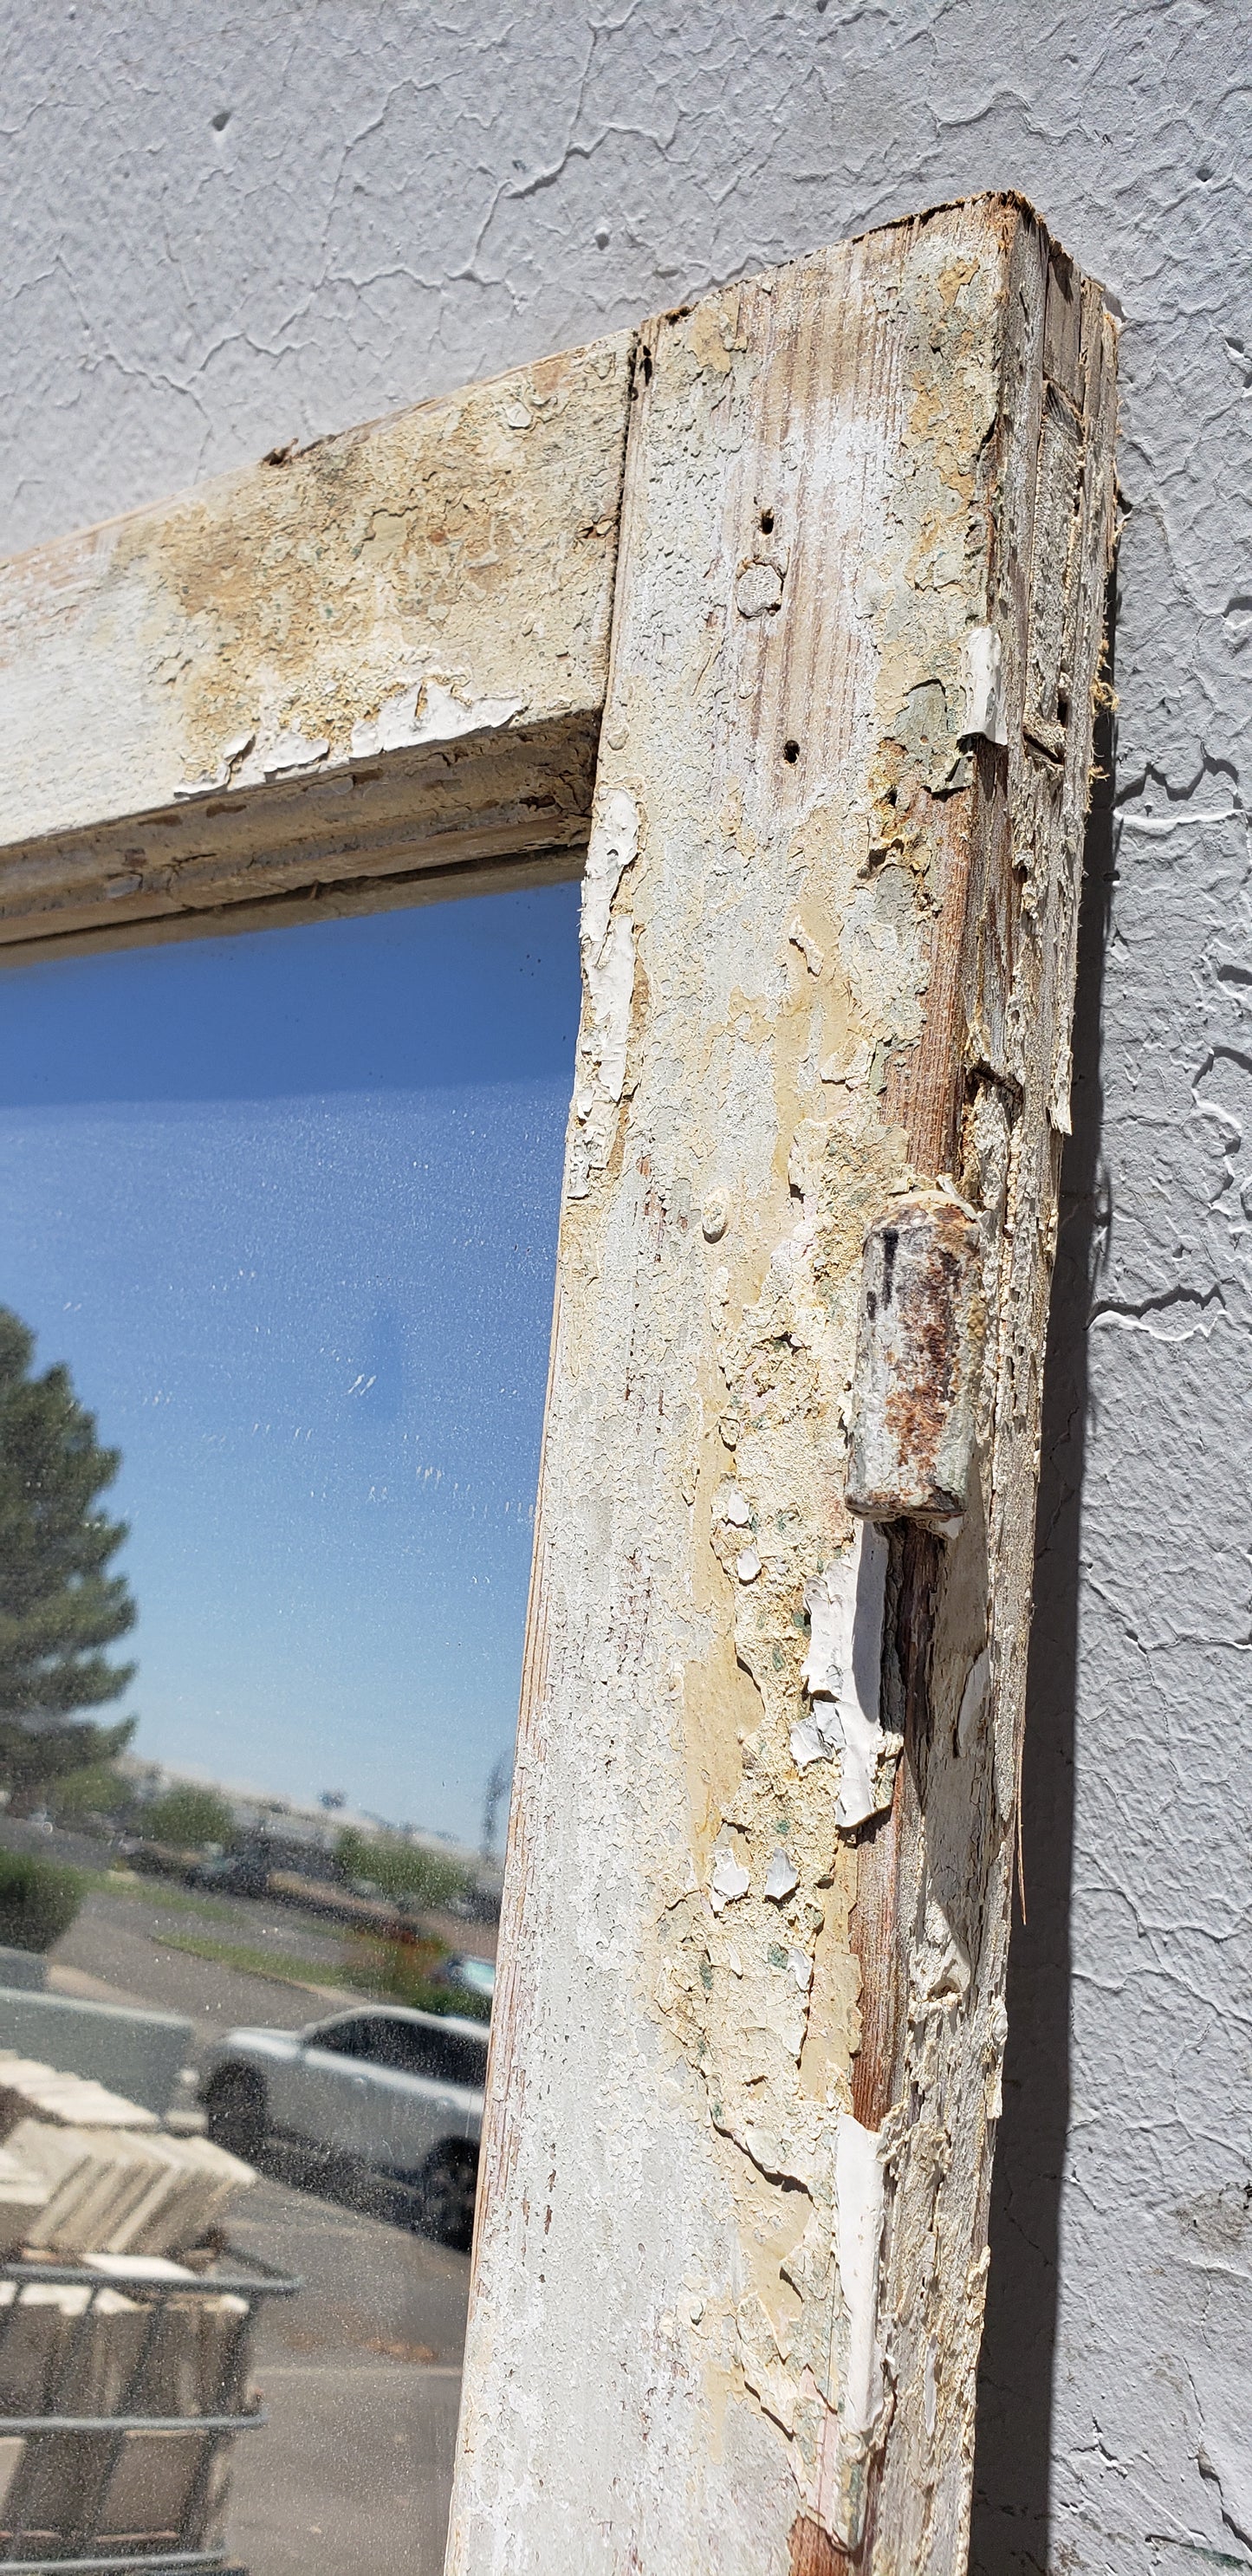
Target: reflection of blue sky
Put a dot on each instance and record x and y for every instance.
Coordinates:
(287, 1204)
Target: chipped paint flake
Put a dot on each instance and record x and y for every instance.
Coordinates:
(730, 1881)
(782, 1878)
(811, 1743)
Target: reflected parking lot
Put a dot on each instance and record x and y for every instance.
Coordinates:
(360, 2375)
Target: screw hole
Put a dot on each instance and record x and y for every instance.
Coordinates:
(791, 751)
(767, 523)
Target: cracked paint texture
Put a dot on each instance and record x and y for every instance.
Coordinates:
(230, 232)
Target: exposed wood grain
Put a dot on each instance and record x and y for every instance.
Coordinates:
(380, 656)
(731, 2261)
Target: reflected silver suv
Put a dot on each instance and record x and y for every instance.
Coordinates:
(395, 2092)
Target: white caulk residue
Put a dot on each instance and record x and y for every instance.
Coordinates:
(608, 946)
(730, 1880)
(782, 1878)
(842, 1675)
(858, 2237)
(983, 664)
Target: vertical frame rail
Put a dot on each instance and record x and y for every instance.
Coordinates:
(732, 2249)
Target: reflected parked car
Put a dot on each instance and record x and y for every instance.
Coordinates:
(390, 2091)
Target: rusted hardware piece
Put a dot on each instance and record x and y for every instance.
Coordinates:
(918, 1360)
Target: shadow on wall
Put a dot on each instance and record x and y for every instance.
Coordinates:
(1012, 2467)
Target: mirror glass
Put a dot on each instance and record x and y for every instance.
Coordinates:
(280, 1218)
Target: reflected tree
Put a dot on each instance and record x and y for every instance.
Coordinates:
(60, 1606)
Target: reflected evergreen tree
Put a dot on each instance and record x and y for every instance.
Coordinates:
(60, 1607)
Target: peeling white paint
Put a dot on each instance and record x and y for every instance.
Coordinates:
(220, 778)
(429, 710)
(863, 1792)
(762, 2359)
(613, 847)
(842, 1675)
(730, 1881)
(814, 957)
(291, 750)
(611, 986)
(810, 1742)
(782, 1878)
(983, 666)
(608, 949)
(858, 2238)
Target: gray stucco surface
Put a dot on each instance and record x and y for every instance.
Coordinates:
(231, 228)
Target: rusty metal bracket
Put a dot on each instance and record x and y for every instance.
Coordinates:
(920, 1336)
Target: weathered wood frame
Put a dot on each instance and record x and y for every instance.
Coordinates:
(821, 722)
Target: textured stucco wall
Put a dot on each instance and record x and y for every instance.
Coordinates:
(230, 229)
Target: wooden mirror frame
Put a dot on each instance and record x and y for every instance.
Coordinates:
(780, 621)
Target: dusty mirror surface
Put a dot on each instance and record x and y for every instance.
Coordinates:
(280, 1218)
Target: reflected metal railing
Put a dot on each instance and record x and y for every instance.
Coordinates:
(75, 2536)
